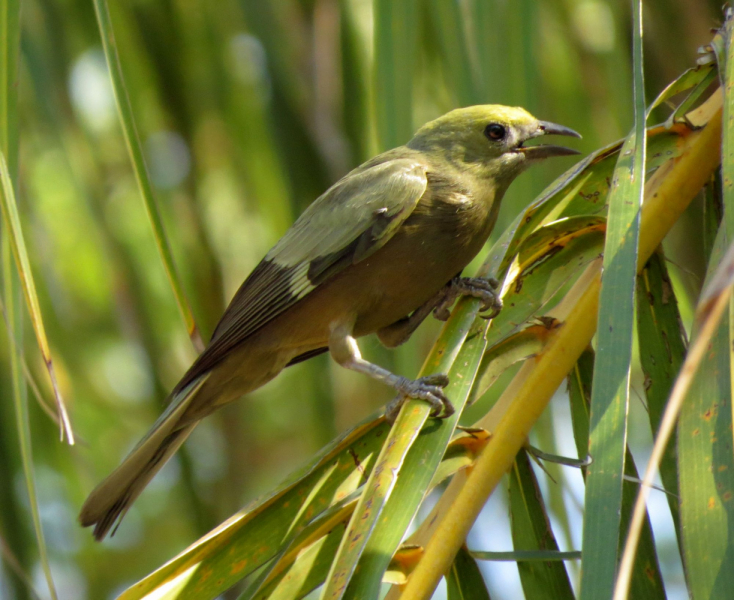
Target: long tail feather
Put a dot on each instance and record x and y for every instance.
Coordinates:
(109, 501)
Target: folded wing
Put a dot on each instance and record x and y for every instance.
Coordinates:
(348, 223)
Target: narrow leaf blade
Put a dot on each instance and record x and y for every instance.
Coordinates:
(610, 390)
(141, 172)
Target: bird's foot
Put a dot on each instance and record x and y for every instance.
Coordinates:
(477, 287)
(429, 388)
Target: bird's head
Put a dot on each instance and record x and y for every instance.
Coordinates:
(489, 140)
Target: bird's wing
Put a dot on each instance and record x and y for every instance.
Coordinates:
(345, 225)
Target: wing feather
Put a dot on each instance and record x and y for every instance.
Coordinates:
(349, 222)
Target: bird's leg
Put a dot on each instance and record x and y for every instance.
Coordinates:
(345, 351)
(400, 331)
(484, 289)
(478, 287)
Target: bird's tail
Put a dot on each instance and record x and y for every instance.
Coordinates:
(109, 501)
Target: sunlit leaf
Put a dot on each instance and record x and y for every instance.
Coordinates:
(17, 244)
(615, 333)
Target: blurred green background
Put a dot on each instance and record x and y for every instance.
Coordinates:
(248, 110)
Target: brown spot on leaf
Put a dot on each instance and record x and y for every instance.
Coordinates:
(648, 382)
(238, 566)
(357, 462)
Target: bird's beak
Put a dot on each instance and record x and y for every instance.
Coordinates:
(546, 151)
(547, 128)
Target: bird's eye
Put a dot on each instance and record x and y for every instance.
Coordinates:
(495, 131)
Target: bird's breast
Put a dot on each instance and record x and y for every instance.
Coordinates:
(434, 244)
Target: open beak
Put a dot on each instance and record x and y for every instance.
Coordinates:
(546, 151)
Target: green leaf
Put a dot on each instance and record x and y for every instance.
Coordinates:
(370, 507)
(356, 84)
(496, 360)
(663, 144)
(646, 578)
(582, 191)
(534, 287)
(255, 534)
(705, 459)
(647, 582)
(141, 172)
(531, 530)
(306, 560)
(713, 210)
(21, 280)
(615, 330)
(662, 351)
(18, 247)
(579, 395)
(309, 572)
(448, 23)
(20, 400)
(422, 461)
(464, 581)
(314, 547)
(560, 192)
(696, 79)
(285, 529)
(706, 465)
(703, 83)
(396, 26)
(9, 74)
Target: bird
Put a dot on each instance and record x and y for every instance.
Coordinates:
(378, 252)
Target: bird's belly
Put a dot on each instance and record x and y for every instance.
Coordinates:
(408, 284)
(414, 267)
(395, 281)
(381, 289)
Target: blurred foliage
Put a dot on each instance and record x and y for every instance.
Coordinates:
(248, 111)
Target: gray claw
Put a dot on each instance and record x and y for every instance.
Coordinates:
(427, 388)
(495, 309)
(439, 379)
(478, 287)
(442, 312)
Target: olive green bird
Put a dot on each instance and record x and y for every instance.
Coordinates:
(377, 252)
